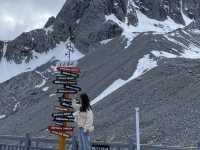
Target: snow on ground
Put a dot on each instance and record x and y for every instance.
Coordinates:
(113, 87)
(10, 69)
(44, 80)
(16, 106)
(144, 64)
(41, 84)
(185, 18)
(5, 48)
(105, 41)
(193, 52)
(195, 31)
(127, 29)
(171, 39)
(77, 21)
(145, 24)
(163, 54)
(45, 89)
(2, 116)
(48, 29)
(51, 95)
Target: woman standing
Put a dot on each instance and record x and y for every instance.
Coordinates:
(84, 120)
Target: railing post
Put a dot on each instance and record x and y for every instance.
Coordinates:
(198, 146)
(27, 141)
(37, 144)
(137, 127)
(131, 145)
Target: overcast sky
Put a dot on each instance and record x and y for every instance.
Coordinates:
(17, 16)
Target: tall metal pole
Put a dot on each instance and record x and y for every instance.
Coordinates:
(137, 128)
(62, 139)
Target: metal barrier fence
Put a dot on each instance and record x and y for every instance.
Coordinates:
(30, 143)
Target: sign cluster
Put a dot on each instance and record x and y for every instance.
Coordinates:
(63, 118)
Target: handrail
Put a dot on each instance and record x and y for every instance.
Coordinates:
(19, 138)
(99, 143)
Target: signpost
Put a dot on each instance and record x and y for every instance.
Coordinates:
(67, 77)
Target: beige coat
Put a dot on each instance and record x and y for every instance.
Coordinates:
(83, 119)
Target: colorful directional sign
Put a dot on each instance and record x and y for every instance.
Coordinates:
(60, 129)
(63, 118)
(66, 135)
(63, 109)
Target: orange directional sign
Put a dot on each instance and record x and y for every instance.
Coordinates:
(67, 135)
(59, 108)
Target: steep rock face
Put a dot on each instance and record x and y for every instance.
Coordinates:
(50, 22)
(93, 28)
(22, 47)
(87, 19)
(1, 49)
(160, 9)
(192, 8)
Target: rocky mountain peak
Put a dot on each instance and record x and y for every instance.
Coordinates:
(87, 19)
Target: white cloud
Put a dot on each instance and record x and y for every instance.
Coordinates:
(24, 15)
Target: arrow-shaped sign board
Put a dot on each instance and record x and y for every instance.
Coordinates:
(63, 109)
(69, 69)
(64, 91)
(60, 119)
(65, 82)
(60, 129)
(61, 134)
(62, 114)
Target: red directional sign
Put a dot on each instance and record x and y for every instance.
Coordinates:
(69, 69)
(60, 129)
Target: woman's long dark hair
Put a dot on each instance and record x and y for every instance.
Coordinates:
(85, 102)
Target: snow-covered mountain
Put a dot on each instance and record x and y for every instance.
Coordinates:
(131, 52)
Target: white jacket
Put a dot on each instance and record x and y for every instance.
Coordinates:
(83, 119)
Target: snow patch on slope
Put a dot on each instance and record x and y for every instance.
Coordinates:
(145, 24)
(105, 41)
(113, 87)
(45, 89)
(49, 29)
(171, 39)
(5, 48)
(16, 106)
(144, 65)
(186, 19)
(195, 31)
(163, 54)
(10, 69)
(44, 80)
(2, 116)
